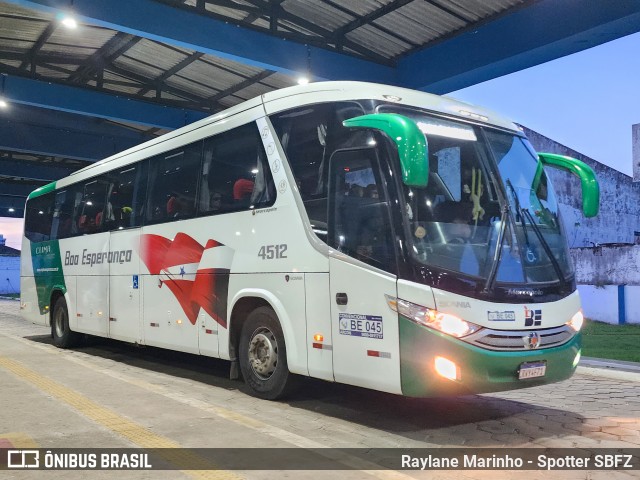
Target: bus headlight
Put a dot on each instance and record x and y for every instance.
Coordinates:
(576, 321)
(443, 322)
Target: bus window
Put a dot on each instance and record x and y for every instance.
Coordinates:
(309, 136)
(65, 213)
(38, 216)
(173, 184)
(235, 174)
(90, 218)
(359, 223)
(125, 197)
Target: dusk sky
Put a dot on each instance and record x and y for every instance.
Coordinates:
(587, 101)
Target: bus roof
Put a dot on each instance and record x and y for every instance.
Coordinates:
(296, 96)
(291, 97)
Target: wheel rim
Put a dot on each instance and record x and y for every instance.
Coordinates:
(263, 353)
(59, 322)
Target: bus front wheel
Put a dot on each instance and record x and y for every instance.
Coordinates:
(63, 337)
(263, 355)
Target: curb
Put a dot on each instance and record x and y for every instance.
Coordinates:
(602, 367)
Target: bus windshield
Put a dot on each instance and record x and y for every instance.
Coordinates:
(488, 211)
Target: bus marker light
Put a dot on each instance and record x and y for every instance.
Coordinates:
(318, 337)
(376, 353)
(179, 322)
(446, 368)
(321, 346)
(577, 359)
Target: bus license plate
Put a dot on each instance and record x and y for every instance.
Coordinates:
(532, 370)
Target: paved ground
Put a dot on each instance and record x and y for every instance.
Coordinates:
(110, 394)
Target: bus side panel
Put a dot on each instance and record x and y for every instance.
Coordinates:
(365, 329)
(319, 350)
(170, 255)
(29, 301)
(28, 294)
(285, 293)
(125, 286)
(86, 258)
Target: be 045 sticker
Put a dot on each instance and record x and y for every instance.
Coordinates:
(356, 325)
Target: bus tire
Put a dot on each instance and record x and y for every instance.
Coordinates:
(263, 355)
(63, 337)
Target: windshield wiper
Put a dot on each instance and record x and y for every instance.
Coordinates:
(488, 286)
(526, 215)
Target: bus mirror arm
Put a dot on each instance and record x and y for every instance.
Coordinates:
(588, 180)
(409, 140)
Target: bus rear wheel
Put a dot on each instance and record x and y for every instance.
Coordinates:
(263, 355)
(63, 337)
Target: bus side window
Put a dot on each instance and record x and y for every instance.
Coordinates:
(66, 212)
(91, 215)
(235, 173)
(38, 217)
(125, 197)
(309, 135)
(173, 184)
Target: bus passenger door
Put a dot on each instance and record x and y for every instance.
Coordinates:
(125, 286)
(364, 327)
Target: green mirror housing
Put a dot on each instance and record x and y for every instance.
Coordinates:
(410, 141)
(588, 180)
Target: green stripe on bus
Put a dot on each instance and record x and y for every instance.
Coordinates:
(49, 187)
(47, 271)
(481, 370)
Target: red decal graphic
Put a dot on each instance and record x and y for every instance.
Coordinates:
(209, 288)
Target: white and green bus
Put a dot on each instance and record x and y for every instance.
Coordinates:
(352, 232)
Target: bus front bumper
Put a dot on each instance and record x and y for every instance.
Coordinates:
(477, 370)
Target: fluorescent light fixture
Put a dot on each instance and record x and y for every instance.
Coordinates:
(254, 171)
(460, 133)
(11, 209)
(69, 22)
(475, 116)
(303, 80)
(3, 103)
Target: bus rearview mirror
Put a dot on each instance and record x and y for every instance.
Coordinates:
(409, 140)
(588, 180)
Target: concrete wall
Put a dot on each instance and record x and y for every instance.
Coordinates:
(619, 215)
(607, 265)
(599, 273)
(9, 274)
(635, 151)
(601, 303)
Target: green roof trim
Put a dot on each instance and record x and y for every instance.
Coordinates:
(588, 180)
(49, 187)
(411, 142)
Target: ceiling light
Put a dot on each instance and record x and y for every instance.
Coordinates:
(69, 22)
(11, 209)
(303, 80)
(3, 103)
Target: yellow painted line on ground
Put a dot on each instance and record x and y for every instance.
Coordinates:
(132, 431)
(225, 413)
(19, 440)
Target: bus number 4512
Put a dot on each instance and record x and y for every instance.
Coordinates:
(269, 252)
